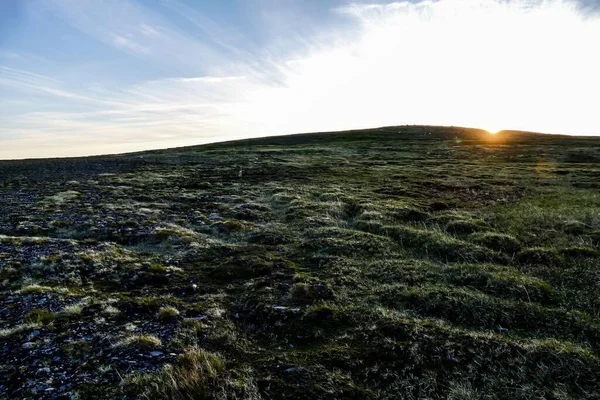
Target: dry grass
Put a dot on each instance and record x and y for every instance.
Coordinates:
(168, 313)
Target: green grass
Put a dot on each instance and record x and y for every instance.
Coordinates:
(401, 262)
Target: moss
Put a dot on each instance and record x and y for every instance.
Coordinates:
(322, 313)
(227, 227)
(268, 238)
(157, 269)
(304, 293)
(243, 267)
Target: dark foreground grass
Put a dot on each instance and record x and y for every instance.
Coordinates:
(410, 262)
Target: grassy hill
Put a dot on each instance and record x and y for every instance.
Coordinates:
(405, 262)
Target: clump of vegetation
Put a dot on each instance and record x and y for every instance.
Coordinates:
(168, 313)
(580, 252)
(304, 292)
(140, 341)
(38, 289)
(463, 227)
(194, 324)
(5, 333)
(409, 214)
(539, 256)
(198, 374)
(497, 241)
(40, 316)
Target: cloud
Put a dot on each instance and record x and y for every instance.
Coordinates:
(589, 6)
(31, 84)
(140, 31)
(22, 57)
(149, 31)
(128, 44)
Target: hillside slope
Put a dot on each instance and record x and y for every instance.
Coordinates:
(406, 262)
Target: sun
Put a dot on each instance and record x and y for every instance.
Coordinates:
(493, 131)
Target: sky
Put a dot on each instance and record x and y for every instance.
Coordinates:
(83, 77)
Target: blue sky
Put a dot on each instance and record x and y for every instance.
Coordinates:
(81, 77)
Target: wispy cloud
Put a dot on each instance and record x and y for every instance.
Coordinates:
(138, 30)
(128, 44)
(20, 56)
(147, 30)
(32, 83)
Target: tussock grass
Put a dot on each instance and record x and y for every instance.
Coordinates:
(168, 313)
(139, 341)
(497, 241)
(197, 374)
(39, 289)
(7, 332)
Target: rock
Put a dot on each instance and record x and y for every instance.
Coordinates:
(213, 217)
(156, 353)
(35, 333)
(283, 308)
(28, 345)
(56, 359)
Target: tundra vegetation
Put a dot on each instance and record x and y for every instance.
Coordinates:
(406, 262)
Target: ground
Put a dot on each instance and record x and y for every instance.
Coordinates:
(407, 262)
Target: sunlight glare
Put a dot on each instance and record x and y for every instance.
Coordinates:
(493, 131)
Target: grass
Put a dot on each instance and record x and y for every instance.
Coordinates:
(401, 262)
(140, 342)
(168, 313)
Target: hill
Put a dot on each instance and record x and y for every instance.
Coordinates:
(400, 262)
